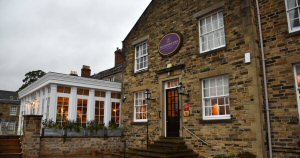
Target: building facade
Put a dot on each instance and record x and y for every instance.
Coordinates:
(212, 49)
(62, 97)
(114, 74)
(9, 112)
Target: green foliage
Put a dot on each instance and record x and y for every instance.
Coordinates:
(94, 126)
(246, 155)
(113, 125)
(31, 77)
(224, 156)
(73, 125)
(240, 155)
(48, 123)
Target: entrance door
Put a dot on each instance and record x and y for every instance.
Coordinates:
(172, 109)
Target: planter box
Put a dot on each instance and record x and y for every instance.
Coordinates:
(114, 132)
(53, 132)
(72, 133)
(99, 133)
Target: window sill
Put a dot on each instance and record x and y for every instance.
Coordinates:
(139, 123)
(217, 120)
(212, 51)
(141, 71)
(294, 33)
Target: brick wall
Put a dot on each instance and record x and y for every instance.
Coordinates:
(79, 146)
(282, 51)
(244, 132)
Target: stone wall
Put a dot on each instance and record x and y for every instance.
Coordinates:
(79, 146)
(31, 137)
(34, 146)
(244, 132)
(5, 114)
(282, 51)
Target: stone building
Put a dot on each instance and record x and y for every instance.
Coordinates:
(211, 49)
(61, 97)
(114, 74)
(9, 111)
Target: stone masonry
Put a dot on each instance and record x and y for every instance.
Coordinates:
(244, 131)
(282, 51)
(31, 138)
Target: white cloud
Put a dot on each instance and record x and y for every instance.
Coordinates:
(61, 35)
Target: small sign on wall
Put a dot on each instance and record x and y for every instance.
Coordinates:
(186, 112)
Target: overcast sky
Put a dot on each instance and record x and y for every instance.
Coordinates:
(62, 35)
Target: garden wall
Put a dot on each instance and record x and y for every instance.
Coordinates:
(79, 146)
(35, 146)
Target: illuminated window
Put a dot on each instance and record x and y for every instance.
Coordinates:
(140, 107)
(297, 79)
(116, 95)
(141, 57)
(99, 112)
(115, 112)
(63, 89)
(215, 95)
(99, 94)
(13, 110)
(82, 111)
(62, 109)
(83, 92)
(212, 34)
(293, 14)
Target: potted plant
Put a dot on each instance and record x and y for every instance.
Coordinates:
(114, 130)
(95, 129)
(74, 129)
(51, 128)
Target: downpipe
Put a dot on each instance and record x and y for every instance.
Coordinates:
(265, 81)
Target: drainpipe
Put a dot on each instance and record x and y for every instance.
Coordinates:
(265, 81)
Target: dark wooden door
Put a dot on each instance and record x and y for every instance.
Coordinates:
(173, 114)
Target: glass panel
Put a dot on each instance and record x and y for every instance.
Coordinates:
(206, 92)
(222, 110)
(215, 21)
(291, 3)
(221, 101)
(298, 74)
(227, 110)
(208, 24)
(212, 91)
(207, 111)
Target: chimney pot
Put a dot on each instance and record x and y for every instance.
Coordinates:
(85, 71)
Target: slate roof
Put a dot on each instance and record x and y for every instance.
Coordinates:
(9, 97)
(108, 72)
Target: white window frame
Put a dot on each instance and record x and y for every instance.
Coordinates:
(140, 56)
(212, 32)
(143, 100)
(291, 30)
(297, 87)
(225, 94)
(13, 110)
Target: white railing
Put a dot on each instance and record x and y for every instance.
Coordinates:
(198, 138)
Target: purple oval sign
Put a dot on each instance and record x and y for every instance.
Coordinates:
(169, 44)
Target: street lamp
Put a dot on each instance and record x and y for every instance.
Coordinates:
(147, 95)
(180, 89)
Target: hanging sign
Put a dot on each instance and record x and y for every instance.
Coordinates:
(170, 44)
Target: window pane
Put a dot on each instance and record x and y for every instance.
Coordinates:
(222, 110)
(291, 3)
(215, 21)
(206, 92)
(298, 74)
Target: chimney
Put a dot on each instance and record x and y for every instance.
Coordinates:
(73, 73)
(118, 57)
(85, 71)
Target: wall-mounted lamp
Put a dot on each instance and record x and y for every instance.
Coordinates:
(181, 89)
(124, 99)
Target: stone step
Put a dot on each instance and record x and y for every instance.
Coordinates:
(11, 155)
(149, 154)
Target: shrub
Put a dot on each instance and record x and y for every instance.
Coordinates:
(224, 156)
(246, 155)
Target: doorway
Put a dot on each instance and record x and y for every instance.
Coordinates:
(172, 112)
